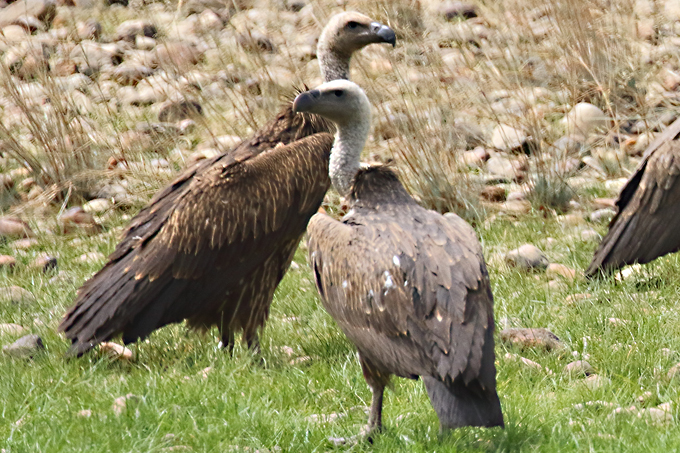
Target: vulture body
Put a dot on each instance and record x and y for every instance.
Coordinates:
(644, 228)
(213, 246)
(408, 286)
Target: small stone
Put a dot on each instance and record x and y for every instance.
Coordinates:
(177, 56)
(129, 29)
(660, 415)
(98, 206)
(14, 227)
(43, 10)
(25, 347)
(589, 234)
(505, 168)
(174, 111)
(616, 322)
(645, 397)
(11, 329)
(16, 295)
(516, 207)
(508, 138)
(602, 215)
(77, 220)
(24, 244)
(560, 270)
(116, 350)
(205, 372)
(580, 367)
(455, 10)
(90, 29)
(123, 403)
(602, 203)
(674, 372)
(7, 262)
(494, 193)
(530, 363)
(595, 382)
(85, 413)
(130, 74)
(523, 338)
(476, 157)
(527, 257)
(44, 263)
(584, 118)
(572, 299)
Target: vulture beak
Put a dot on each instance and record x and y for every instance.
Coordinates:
(305, 101)
(385, 33)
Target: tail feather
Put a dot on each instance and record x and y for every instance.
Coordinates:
(457, 405)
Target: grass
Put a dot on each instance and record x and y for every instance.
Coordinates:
(243, 405)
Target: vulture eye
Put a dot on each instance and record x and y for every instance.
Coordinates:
(338, 93)
(352, 25)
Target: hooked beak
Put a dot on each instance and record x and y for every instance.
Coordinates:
(305, 101)
(385, 33)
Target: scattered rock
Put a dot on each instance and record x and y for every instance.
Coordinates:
(98, 206)
(7, 262)
(523, 338)
(660, 415)
(44, 263)
(177, 56)
(560, 270)
(595, 382)
(77, 220)
(25, 347)
(174, 111)
(579, 367)
(476, 157)
(602, 215)
(116, 350)
(11, 329)
(43, 10)
(91, 257)
(584, 118)
(527, 257)
(579, 297)
(674, 372)
(455, 10)
(24, 244)
(529, 363)
(510, 139)
(15, 227)
(505, 168)
(16, 295)
(129, 29)
(516, 207)
(123, 403)
(590, 235)
(494, 193)
(85, 413)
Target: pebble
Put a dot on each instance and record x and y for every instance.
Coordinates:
(25, 347)
(560, 270)
(578, 367)
(602, 215)
(44, 263)
(11, 329)
(506, 168)
(451, 10)
(539, 338)
(174, 111)
(527, 257)
(116, 350)
(660, 415)
(476, 157)
(91, 257)
(595, 382)
(123, 403)
(516, 207)
(494, 193)
(529, 363)
(578, 297)
(98, 206)
(674, 372)
(508, 138)
(14, 227)
(590, 235)
(584, 118)
(16, 295)
(7, 262)
(77, 220)
(24, 244)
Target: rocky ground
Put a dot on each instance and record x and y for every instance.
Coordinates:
(505, 113)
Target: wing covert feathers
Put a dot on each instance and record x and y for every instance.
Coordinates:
(202, 238)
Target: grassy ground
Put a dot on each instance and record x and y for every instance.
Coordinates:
(310, 370)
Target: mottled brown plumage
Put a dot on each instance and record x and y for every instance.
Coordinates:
(408, 286)
(213, 246)
(644, 228)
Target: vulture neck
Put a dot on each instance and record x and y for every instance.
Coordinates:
(350, 139)
(334, 64)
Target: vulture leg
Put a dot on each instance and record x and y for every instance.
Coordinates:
(253, 342)
(377, 381)
(227, 336)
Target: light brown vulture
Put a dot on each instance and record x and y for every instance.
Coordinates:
(646, 224)
(213, 246)
(408, 286)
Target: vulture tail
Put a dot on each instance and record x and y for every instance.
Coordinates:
(457, 405)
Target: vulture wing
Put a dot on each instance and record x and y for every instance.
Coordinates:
(649, 208)
(206, 232)
(410, 289)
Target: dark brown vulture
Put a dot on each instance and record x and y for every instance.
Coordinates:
(644, 228)
(408, 286)
(213, 246)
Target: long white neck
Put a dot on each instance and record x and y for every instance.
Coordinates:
(333, 65)
(350, 139)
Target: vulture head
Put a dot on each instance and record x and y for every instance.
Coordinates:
(350, 31)
(340, 101)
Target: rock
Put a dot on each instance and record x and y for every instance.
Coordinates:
(674, 372)
(91, 57)
(25, 347)
(506, 168)
(16, 295)
(508, 138)
(11, 329)
(174, 111)
(602, 215)
(85, 413)
(523, 338)
(560, 270)
(14, 33)
(660, 415)
(116, 350)
(44, 10)
(24, 244)
(494, 193)
(256, 42)
(579, 367)
(30, 23)
(584, 118)
(529, 363)
(90, 29)
(14, 227)
(571, 220)
(455, 10)
(572, 299)
(128, 30)
(91, 257)
(527, 257)
(98, 206)
(589, 234)
(7, 262)
(177, 56)
(476, 157)
(130, 74)
(77, 220)
(123, 403)
(595, 382)
(45, 263)
(516, 207)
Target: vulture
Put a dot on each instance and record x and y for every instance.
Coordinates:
(212, 246)
(648, 208)
(408, 286)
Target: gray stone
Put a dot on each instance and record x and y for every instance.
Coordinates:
(11, 329)
(45, 263)
(584, 118)
(128, 30)
(508, 138)
(25, 347)
(595, 382)
(16, 295)
(602, 215)
(527, 257)
(44, 10)
(523, 338)
(579, 367)
(506, 168)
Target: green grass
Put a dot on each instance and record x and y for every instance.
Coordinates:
(244, 405)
